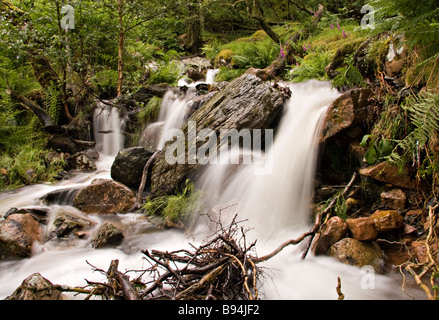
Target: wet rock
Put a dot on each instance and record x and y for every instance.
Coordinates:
(128, 166)
(39, 214)
(150, 137)
(36, 287)
(357, 253)
(62, 143)
(66, 223)
(105, 196)
(334, 230)
(346, 112)
(388, 173)
(394, 199)
(84, 161)
(108, 235)
(246, 102)
(18, 233)
(363, 228)
(196, 67)
(60, 196)
(419, 252)
(387, 220)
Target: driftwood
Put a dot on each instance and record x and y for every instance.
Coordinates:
(148, 164)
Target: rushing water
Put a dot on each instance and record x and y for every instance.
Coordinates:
(275, 205)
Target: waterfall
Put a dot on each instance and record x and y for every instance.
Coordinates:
(210, 75)
(108, 129)
(281, 199)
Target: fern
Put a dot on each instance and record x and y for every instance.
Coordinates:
(52, 103)
(311, 67)
(348, 76)
(424, 115)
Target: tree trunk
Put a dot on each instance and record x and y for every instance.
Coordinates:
(193, 40)
(120, 49)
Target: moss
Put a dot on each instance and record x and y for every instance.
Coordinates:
(224, 58)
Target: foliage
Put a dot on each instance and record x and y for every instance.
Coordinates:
(423, 110)
(167, 72)
(312, 66)
(150, 112)
(177, 207)
(226, 74)
(348, 76)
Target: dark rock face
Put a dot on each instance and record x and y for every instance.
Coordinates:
(245, 103)
(128, 166)
(66, 223)
(105, 196)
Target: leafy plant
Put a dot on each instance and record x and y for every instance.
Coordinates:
(150, 111)
(348, 76)
(312, 66)
(177, 207)
(167, 72)
(376, 148)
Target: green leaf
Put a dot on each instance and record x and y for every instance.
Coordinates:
(364, 142)
(385, 148)
(371, 155)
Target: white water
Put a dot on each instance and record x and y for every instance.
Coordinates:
(275, 205)
(107, 131)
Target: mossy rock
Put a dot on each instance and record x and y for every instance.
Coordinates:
(225, 58)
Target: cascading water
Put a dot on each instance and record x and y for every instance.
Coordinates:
(275, 204)
(108, 129)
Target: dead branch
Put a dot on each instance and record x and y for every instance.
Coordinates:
(148, 164)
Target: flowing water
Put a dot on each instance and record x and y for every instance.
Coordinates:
(275, 205)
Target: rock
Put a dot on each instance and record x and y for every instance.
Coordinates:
(418, 250)
(396, 58)
(196, 67)
(357, 253)
(363, 228)
(18, 233)
(62, 143)
(394, 199)
(105, 196)
(128, 166)
(150, 137)
(36, 287)
(334, 230)
(60, 196)
(39, 214)
(246, 102)
(108, 234)
(346, 112)
(387, 220)
(388, 173)
(84, 161)
(362, 59)
(66, 223)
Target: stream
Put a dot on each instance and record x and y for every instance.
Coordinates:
(275, 208)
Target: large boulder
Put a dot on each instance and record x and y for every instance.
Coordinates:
(128, 166)
(36, 287)
(105, 196)
(357, 253)
(18, 233)
(245, 103)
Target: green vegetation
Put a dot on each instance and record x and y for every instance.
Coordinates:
(176, 208)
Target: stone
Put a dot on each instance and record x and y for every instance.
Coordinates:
(36, 287)
(387, 220)
(246, 102)
(108, 235)
(60, 196)
(332, 231)
(127, 167)
(390, 174)
(105, 196)
(394, 199)
(67, 223)
(362, 228)
(39, 214)
(357, 253)
(346, 112)
(18, 233)
(62, 143)
(84, 161)
(150, 137)
(418, 250)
